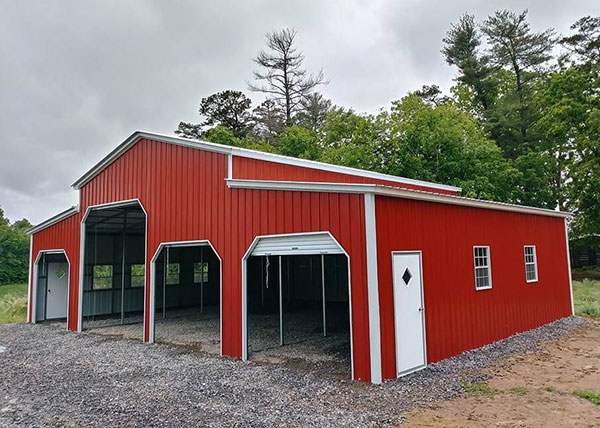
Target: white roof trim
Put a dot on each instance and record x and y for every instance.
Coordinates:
(378, 189)
(53, 220)
(247, 153)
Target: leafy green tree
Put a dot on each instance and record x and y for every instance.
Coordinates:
(349, 139)
(584, 45)
(447, 145)
(579, 119)
(563, 106)
(314, 111)
(230, 109)
(535, 186)
(14, 250)
(515, 47)
(462, 49)
(269, 121)
(193, 131)
(222, 135)
(586, 182)
(432, 94)
(299, 142)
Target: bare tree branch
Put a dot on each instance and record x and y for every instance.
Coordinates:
(282, 74)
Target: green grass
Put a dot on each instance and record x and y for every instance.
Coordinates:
(13, 303)
(519, 390)
(592, 396)
(586, 294)
(478, 388)
(550, 389)
(20, 289)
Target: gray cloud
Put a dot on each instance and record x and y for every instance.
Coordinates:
(78, 77)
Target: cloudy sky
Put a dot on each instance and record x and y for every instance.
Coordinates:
(76, 78)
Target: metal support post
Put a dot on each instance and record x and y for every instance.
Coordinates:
(280, 305)
(123, 269)
(201, 280)
(323, 290)
(164, 308)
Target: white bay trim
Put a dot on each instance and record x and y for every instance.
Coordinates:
(373, 288)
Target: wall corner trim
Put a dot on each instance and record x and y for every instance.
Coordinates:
(373, 288)
(30, 277)
(569, 267)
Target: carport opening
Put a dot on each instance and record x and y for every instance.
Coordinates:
(114, 267)
(187, 296)
(52, 287)
(298, 312)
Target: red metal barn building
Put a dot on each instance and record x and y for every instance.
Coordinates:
(418, 273)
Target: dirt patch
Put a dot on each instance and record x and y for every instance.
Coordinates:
(529, 390)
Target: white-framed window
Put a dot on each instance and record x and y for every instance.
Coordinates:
(172, 273)
(483, 267)
(531, 271)
(200, 272)
(138, 275)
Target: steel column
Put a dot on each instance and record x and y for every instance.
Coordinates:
(323, 291)
(201, 280)
(164, 308)
(280, 305)
(123, 269)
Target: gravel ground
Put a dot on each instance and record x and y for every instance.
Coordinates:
(50, 377)
(187, 327)
(305, 347)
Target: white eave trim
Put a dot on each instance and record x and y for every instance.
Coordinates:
(247, 153)
(53, 220)
(392, 192)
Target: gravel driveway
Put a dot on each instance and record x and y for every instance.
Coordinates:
(50, 377)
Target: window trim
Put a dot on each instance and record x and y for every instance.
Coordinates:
(535, 263)
(489, 267)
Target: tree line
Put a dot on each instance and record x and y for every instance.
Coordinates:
(521, 123)
(14, 250)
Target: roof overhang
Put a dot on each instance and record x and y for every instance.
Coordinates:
(247, 153)
(377, 189)
(53, 220)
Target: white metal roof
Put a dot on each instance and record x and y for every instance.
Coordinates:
(53, 220)
(246, 153)
(379, 189)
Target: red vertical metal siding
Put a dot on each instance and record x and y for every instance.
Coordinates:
(185, 195)
(63, 235)
(256, 169)
(458, 317)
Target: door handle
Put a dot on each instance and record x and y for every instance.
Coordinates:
(420, 309)
(49, 290)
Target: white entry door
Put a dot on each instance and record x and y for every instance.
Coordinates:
(409, 315)
(56, 292)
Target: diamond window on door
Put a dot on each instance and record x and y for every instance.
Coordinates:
(406, 276)
(60, 274)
